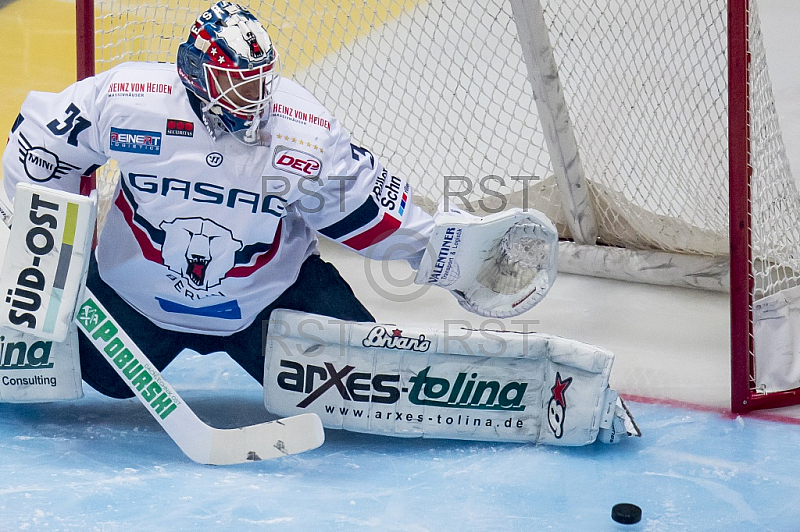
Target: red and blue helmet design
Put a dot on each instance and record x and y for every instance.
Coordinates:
(229, 63)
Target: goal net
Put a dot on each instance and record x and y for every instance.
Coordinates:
(630, 124)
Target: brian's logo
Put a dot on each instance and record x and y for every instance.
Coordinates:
(380, 337)
(200, 250)
(135, 141)
(180, 128)
(557, 407)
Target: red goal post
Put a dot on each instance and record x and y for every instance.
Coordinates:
(745, 392)
(654, 148)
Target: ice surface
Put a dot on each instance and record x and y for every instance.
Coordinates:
(103, 464)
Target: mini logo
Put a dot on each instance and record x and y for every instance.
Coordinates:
(40, 164)
(135, 141)
(180, 128)
(296, 162)
(214, 159)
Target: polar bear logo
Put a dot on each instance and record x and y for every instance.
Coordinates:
(200, 250)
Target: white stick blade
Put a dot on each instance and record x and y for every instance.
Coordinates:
(274, 439)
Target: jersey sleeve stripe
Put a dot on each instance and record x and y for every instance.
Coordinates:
(246, 254)
(360, 217)
(375, 234)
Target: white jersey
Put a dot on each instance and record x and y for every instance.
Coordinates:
(204, 233)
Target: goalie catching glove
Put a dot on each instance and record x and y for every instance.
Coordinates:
(496, 266)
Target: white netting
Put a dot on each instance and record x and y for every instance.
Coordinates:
(775, 202)
(439, 89)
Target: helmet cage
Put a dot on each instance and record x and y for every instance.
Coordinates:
(243, 92)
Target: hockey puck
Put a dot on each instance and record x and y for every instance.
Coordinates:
(625, 513)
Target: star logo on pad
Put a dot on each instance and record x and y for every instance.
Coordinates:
(559, 388)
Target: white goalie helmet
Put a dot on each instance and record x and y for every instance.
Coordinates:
(229, 63)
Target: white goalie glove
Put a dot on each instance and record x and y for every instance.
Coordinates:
(498, 266)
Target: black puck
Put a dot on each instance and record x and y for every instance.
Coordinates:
(625, 513)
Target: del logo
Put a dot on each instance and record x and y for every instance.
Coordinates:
(20, 355)
(135, 141)
(465, 391)
(180, 128)
(296, 162)
(557, 407)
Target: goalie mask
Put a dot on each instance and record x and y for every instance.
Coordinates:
(229, 63)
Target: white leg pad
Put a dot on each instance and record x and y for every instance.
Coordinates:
(33, 370)
(418, 382)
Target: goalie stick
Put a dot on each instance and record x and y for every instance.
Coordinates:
(199, 441)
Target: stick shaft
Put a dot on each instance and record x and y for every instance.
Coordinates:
(200, 442)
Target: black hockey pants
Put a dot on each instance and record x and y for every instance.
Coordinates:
(319, 289)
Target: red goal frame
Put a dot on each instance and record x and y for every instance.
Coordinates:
(744, 397)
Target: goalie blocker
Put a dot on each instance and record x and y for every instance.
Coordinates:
(44, 266)
(460, 384)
